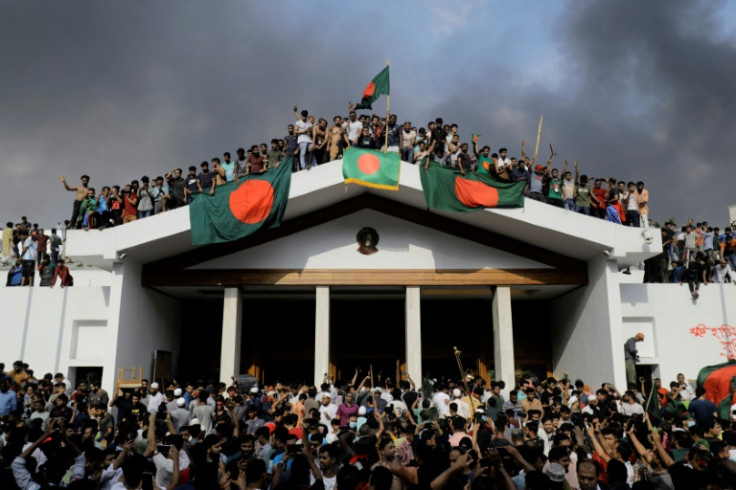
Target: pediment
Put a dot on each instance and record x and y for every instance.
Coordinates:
(402, 245)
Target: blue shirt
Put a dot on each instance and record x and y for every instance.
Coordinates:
(8, 402)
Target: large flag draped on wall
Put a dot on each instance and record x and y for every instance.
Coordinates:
(448, 190)
(719, 383)
(371, 168)
(380, 85)
(239, 209)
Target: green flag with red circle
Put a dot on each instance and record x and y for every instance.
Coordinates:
(371, 168)
(239, 209)
(380, 85)
(447, 189)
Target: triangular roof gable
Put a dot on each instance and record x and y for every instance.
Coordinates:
(182, 269)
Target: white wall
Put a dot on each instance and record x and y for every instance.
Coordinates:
(586, 329)
(140, 322)
(681, 335)
(402, 245)
(42, 326)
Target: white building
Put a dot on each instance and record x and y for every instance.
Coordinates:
(532, 289)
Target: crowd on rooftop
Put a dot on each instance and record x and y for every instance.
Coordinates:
(695, 253)
(383, 435)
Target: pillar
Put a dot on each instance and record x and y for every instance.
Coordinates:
(232, 329)
(413, 329)
(503, 337)
(321, 334)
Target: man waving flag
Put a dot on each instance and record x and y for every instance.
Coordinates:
(380, 85)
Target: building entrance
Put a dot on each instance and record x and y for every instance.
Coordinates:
(366, 331)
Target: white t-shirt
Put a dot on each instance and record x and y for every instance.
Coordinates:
(329, 482)
(327, 413)
(302, 126)
(31, 252)
(354, 128)
(407, 138)
(629, 409)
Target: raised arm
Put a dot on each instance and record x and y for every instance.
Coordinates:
(577, 171)
(523, 149)
(66, 186)
(151, 436)
(597, 445)
(174, 454)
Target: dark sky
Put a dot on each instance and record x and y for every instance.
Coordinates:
(635, 90)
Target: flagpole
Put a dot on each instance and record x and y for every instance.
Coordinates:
(388, 110)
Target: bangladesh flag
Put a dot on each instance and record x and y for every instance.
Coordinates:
(239, 209)
(719, 383)
(380, 85)
(484, 164)
(371, 168)
(447, 189)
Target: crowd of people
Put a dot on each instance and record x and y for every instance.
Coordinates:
(311, 142)
(446, 434)
(27, 250)
(694, 254)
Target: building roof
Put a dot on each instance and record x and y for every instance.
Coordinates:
(547, 227)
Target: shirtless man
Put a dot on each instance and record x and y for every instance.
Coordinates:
(81, 193)
(337, 139)
(319, 139)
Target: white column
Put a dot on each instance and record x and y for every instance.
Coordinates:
(503, 337)
(321, 334)
(232, 330)
(413, 313)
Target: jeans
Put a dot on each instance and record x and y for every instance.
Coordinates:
(583, 210)
(570, 204)
(146, 213)
(633, 218)
(537, 196)
(407, 154)
(304, 153)
(731, 259)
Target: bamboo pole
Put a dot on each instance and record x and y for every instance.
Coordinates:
(539, 135)
(388, 111)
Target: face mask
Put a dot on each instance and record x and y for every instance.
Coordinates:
(352, 425)
(691, 423)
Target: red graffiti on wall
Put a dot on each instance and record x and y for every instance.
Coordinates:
(725, 334)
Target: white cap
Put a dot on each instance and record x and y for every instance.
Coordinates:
(195, 421)
(254, 390)
(457, 393)
(361, 411)
(177, 392)
(181, 402)
(154, 386)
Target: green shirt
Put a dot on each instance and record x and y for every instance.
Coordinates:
(555, 189)
(583, 196)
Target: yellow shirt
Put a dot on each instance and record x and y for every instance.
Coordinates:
(7, 242)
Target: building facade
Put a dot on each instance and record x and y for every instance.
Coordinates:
(535, 290)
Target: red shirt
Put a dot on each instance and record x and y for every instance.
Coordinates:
(128, 207)
(599, 194)
(256, 163)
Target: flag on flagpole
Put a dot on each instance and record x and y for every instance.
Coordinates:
(380, 85)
